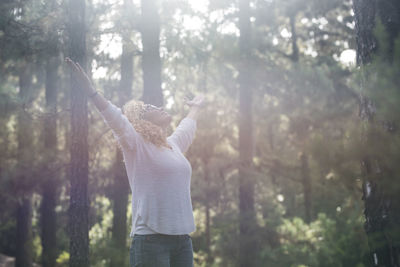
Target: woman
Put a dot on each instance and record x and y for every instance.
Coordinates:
(159, 176)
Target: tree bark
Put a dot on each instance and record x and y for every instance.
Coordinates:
(50, 183)
(151, 62)
(120, 187)
(306, 182)
(23, 255)
(209, 258)
(295, 48)
(79, 201)
(23, 186)
(381, 207)
(364, 11)
(119, 225)
(247, 221)
(305, 172)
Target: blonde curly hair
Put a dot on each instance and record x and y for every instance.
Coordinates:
(134, 111)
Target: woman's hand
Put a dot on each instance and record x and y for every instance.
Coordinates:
(99, 101)
(80, 76)
(195, 105)
(198, 101)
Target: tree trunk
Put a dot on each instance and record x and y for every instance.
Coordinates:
(120, 187)
(209, 258)
(23, 255)
(381, 208)
(151, 62)
(305, 172)
(119, 225)
(50, 183)
(48, 223)
(79, 201)
(364, 11)
(23, 187)
(295, 48)
(247, 221)
(306, 182)
(126, 60)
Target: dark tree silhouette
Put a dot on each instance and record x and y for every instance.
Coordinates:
(247, 221)
(23, 257)
(382, 205)
(79, 204)
(120, 187)
(50, 184)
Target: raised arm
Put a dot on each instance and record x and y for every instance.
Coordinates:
(122, 129)
(184, 134)
(86, 84)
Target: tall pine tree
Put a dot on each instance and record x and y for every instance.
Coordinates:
(382, 203)
(247, 220)
(78, 226)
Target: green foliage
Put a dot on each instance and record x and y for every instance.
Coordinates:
(63, 259)
(99, 234)
(320, 243)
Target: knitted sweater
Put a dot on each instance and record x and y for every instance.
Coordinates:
(158, 177)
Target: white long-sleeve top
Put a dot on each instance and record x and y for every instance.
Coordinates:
(158, 177)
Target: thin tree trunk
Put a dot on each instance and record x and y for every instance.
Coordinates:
(306, 182)
(50, 183)
(305, 172)
(208, 236)
(23, 190)
(151, 62)
(209, 259)
(247, 222)
(48, 223)
(79, 201)
(295, 48)
(271, 142)
(23, 256)
(126, 85)
(119, 225)
(120, 187)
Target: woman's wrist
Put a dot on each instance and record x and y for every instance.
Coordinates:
(90, 90)
(194, 112)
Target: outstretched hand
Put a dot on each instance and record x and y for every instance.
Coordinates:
(197, 101)
(80, 75)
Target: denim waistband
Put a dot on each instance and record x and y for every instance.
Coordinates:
(161, 236)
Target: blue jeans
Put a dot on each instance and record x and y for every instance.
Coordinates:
(159, 250)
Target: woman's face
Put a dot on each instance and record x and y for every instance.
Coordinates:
(157, 115)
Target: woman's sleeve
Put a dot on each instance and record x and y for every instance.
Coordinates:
(184, 134)
(121, 127)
